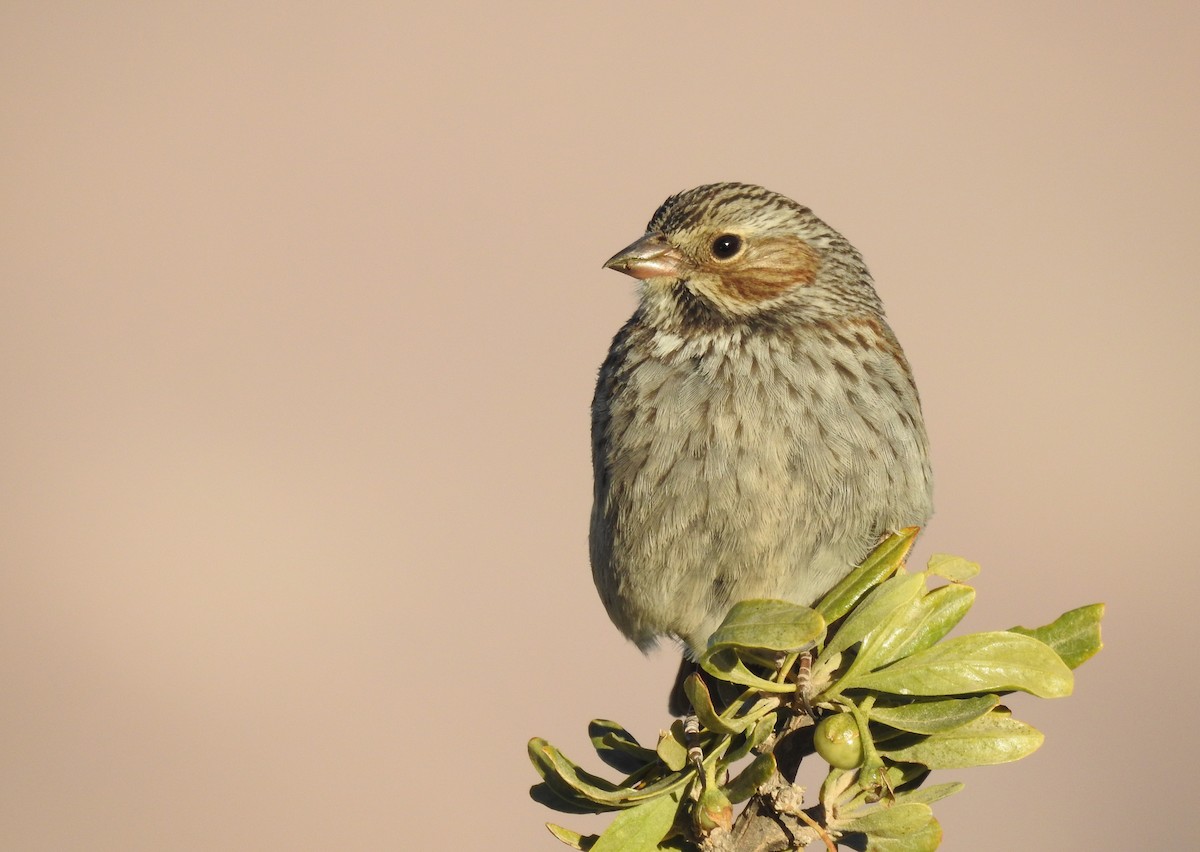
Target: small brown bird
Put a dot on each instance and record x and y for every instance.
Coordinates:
(755, 428)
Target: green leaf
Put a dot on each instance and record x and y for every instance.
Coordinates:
(890, 820)
(915, 627)
(763, 729)
(880, 564)
(770, 625)
(991, 739)
(746, 784)
(619, 748)
(557, 770)
(555, 767)
(572, 838)
(927, 620)
(640, 829)
(1074, 635)
(752, 739)
(926, 839)
(873, 613)
(667, 784)
(838, 784)
(555, 795)
(953, 568)
(672, 749)
(697, 692)
(981, 662)
(933, 717)
(727, 665)
(559, 797)
(933, 793)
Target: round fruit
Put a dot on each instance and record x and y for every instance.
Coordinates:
(837, 739)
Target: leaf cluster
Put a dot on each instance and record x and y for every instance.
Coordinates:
(866, 679)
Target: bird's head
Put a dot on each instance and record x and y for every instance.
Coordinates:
(730, 253)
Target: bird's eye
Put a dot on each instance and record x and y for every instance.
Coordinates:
(726, 246)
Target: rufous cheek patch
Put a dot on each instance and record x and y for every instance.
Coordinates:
(770, 267)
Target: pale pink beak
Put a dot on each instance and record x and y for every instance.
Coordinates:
(650, 257)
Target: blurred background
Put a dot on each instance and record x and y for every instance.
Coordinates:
(300, 312)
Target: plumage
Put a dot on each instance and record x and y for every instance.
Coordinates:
(755, 426)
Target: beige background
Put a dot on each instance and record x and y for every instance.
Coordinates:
(300, 316)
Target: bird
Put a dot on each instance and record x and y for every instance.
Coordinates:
(756, 429)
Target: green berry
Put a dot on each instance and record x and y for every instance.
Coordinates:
(837, 740)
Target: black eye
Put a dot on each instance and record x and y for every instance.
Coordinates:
(726, 246)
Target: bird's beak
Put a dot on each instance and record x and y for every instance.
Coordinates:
(650, 257)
